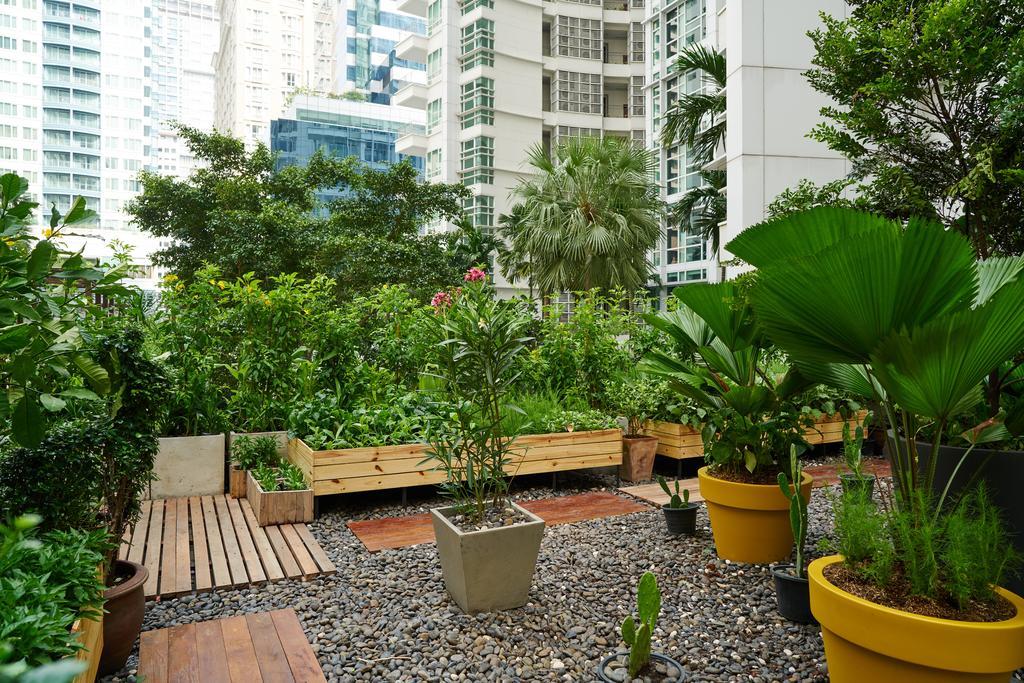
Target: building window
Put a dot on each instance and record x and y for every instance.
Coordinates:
(480, 212)
(576, 92)
(433, 17)
(636, 42)
(470, 5)
(478, 102)
(433, 115)
(433, 66)
(636, 104)
(478, 44)
(575, 37)
(433, 164)
(478, 161)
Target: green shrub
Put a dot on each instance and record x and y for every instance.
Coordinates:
(249, 452)
(400, 419)
(578, 421)
(636, 398)
(46, 582)
(266, 476)
(292, 478)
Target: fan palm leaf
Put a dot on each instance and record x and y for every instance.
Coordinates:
(691, 120)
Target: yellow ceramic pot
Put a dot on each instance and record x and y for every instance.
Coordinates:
(750, 522)
(869, 642)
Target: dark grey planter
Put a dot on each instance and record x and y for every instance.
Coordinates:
(681, 520)
(851, 482)
(1003, 478)
(603, 675)
(793, 595)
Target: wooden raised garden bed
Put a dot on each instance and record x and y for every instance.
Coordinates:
(279, 507)
(90, 634)
(236, 477)
(388, 467)
(682, 441)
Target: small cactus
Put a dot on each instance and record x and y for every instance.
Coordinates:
(853, 444)
(797, 508)
(675, 501)
(638, 637)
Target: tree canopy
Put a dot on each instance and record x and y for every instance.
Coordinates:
(929, 106)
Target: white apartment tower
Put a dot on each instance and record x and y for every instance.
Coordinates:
(505, 75)
(770, 110)
(268, 49)
(185, 35)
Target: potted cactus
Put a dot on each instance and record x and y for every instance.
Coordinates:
(680, 513)
(638, 661)
(792, 590)
(855, 479)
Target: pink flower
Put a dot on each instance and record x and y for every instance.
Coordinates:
(475, 275)
(441, 300)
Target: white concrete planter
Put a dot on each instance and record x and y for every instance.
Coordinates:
(189, 466)
(488, 570)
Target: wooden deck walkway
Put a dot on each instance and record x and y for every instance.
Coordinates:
(399, 532)
(269, 646)
(207, 542)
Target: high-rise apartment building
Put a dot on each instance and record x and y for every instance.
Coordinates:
(505, 75)
(268, 50)
(368, 32)
(185, 34)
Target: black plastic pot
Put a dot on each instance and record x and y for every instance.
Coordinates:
(865, 483)
(681, 520)
(793, 595)
(655, 657)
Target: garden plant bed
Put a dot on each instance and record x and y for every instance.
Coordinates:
(351, 470)
(278, 507)
(389, 617)
(91, 636)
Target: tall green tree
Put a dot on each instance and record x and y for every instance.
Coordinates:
(590, 215)
(694, 120)
(929, 106)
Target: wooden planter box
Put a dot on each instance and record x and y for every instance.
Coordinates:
(682, 441)
(90, 634)
(350, 470)
(236, 477)
(676, 440)
(279, 507)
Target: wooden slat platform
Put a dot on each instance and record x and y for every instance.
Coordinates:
(207, 542)
(268, 646)
(824, 475)
(399, 532)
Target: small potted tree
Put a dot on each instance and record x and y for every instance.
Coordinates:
(792, 590)
(853, 448)
(680, 513)
(636, 398)
(487, 544)
(638, 661)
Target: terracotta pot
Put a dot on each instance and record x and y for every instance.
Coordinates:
(750, 522)
(865, 641)
(637, 457)
(125, 606)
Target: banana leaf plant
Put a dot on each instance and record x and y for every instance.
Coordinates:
(902, 313)
(723, 361)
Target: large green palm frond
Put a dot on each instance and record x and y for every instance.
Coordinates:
(691, 121)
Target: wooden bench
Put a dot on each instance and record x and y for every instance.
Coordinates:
(350, 470)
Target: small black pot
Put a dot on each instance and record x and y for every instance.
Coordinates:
(793, 595)
(681, 520)
(655, 657)
(850, 482)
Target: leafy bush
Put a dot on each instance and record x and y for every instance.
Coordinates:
(403, 418)
(249, 452)
(59, 479)
(292, 478)
(635, 398)
(578, 421)
(46, 582)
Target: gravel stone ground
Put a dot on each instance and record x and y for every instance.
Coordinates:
(387, 617)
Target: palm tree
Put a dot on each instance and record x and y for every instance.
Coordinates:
(589, 216)
(703, 208)
(683, 122)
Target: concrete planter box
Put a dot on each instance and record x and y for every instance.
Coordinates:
(236, 477)
(279, 507)
(488, 570)
(189, 466)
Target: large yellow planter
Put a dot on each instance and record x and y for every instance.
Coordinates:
(869, 642)
(750, 522)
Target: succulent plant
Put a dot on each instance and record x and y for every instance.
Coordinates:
(637, 632)
(790, 486)
(675, 501)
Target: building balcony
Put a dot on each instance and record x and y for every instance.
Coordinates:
(417, 7)
(412, 95)
(412, 144)
(412, 48)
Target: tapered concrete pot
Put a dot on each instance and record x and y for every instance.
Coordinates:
(488, 570)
